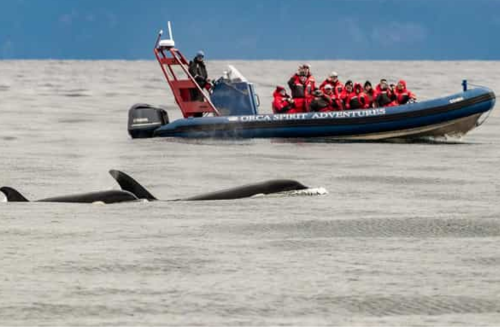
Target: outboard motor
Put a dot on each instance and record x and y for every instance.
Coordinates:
(144, 119)
(233, 95)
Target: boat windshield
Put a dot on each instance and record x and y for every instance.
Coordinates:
(234, 75)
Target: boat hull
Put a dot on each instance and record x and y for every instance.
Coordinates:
(453, 115)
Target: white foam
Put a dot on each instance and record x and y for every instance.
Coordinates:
(309, 192)
(298, 193)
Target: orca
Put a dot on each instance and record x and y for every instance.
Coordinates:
(131, 190)
(129, 184)
(107, 197)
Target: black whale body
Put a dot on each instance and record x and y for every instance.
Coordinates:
(131, 190)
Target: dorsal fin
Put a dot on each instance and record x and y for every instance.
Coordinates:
(129, 184)
(13, 195)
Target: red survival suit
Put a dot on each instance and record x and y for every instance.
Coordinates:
(357, 99)
(384, 97)
(282, 103)
(404, 95)
(301, 88)
(336, 104)
(338, 87)
(371, 94)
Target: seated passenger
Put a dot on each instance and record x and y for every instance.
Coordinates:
(336, 104)
(384, 95)
(302, 84)
(370, 93)
(348, 89)
(403, 95)
(282, 103)
(320, 102)
(357, 99)
(333, 80)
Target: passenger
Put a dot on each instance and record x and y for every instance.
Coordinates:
(333, 80)
(282, 102)
(336, 103)
(302, 84)
(198, 71)
(320, 102)
(312, 83)
(307, 69)
(384, 95)
(370, 93)
(403, 95)
(348, 89)
(357, 99)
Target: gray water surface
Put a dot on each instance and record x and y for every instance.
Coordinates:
(409, 234)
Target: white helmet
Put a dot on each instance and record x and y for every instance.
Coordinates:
(334, 74)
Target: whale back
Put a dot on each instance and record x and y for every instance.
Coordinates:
(246, 191)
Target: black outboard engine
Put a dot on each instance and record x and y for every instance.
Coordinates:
(144, 119)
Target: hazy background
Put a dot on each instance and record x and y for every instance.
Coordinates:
(271, 29)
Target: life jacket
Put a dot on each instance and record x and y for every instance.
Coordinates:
(337, 86)
(356, 100)
(336, 104)
(404, 95)
(385, 97)
(281, 104)
(301, 89)
(198, 71)
(370, 95)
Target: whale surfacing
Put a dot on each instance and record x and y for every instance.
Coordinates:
(131, 190)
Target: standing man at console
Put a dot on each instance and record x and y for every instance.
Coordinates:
(198, 70)
(302, 84)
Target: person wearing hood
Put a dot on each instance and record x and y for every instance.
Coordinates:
(403, 95)
(320, 102)
(348, 89)
(370, 93)
(302, 84)
(282, 102)
(384, 96)
(333, 80)
(356, 99)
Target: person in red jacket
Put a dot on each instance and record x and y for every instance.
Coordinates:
(282, 102)
(403, 95)
(384, 96)
(333, 80)
(370, 94)
(302, 84)
(356, 99)
(336, 104)
(348, 89)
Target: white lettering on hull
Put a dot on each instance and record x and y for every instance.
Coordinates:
(315, 115)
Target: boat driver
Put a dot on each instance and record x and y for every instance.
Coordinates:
(198, 71)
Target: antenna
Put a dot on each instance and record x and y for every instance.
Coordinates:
(158, 38)
(170, 31)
